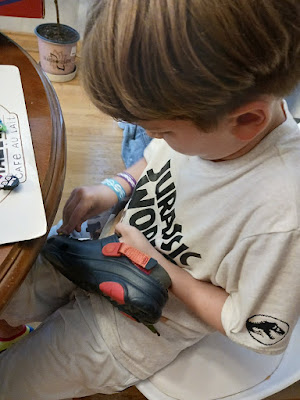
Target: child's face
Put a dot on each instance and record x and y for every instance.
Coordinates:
(187, 138)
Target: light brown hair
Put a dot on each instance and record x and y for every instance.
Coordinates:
(189, 59)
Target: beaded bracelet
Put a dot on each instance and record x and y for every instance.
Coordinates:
(128, 178)
(116, 187)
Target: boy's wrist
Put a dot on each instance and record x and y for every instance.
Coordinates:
(125, 185)
(122, 185)
(116, 187)
(128, 178)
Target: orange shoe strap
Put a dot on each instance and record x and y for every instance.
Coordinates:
(118, 249)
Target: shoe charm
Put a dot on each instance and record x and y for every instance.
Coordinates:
(2, 127)
(8, 182)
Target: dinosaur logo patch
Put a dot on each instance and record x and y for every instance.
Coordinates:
(266, 330)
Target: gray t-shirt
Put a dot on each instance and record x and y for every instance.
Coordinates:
(232, 223)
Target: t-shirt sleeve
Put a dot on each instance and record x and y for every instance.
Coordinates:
(263, 282)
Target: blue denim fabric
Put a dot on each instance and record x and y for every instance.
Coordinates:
(135, 140)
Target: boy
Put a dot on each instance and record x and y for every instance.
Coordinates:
(216, 202)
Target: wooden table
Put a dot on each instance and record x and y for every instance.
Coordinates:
(49, 143)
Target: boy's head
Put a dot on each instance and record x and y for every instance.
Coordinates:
(196, 60)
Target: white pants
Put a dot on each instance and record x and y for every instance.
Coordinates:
(66, 355)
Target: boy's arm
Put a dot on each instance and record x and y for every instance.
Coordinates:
(203, 298)
(135, 171)
(262, 278)
(88, 201)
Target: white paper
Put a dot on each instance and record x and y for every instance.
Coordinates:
(22, 209)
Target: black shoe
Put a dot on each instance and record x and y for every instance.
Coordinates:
(134, 283)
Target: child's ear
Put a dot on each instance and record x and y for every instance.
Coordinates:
(250, 120)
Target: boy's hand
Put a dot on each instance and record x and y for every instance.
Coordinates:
(85, 202)
(88, 201)
(133, 237)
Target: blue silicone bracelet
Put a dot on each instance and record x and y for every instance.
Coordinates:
(116, 187)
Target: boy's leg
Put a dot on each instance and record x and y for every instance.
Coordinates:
(42, 292)
(64, 357)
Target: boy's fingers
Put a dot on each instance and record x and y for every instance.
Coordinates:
(78, 228)
(70, 198)
(76, 197)
(69, 207)
(63, 229)
(73, 221)
(119, 229)
(124, 229)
